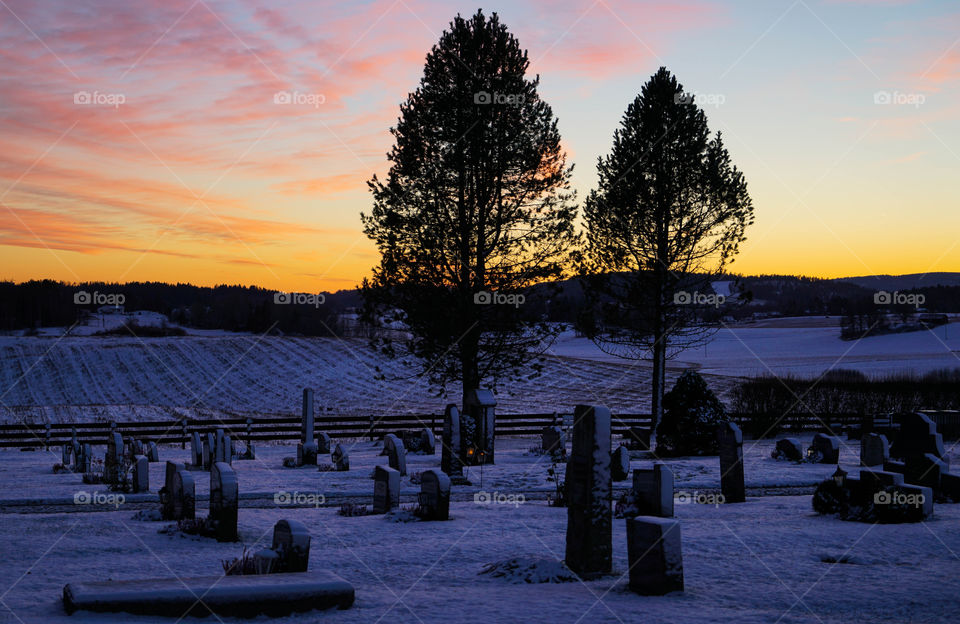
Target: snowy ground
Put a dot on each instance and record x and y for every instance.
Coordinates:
(768, 560)
(802, 347)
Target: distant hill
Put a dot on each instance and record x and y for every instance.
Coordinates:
(903, 282)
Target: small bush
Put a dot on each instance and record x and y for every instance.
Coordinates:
(350, 510)
(691, 412)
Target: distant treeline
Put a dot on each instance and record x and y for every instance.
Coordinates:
(50, 303)
(47, 303)
(842, 392)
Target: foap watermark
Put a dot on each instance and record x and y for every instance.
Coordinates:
(99, 498)
(899, 498)
(682, 297)
(82, 297)
(302, 499)
(299, 99)
(293, 298)
(883, 297)
(699, 498)
(715, 100)
(497, 298)
(498, 498)
(85, 98)
(896, 98)
(508, 99)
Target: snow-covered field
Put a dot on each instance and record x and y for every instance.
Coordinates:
(806, 348)
(126, 378)
(767, 560)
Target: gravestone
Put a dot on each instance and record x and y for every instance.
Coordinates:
(386, 489)
(220, 446)
(638, 438)
(166, 492)
(307, 449)
(153, 452)
(224, 500)
(113, 461)
(620, 464)
(209, 451)
(917, 436)
(396, 453)
(655, 555)
(183, 495)
(479, 414)
(141, 474)
(83, 459)
(924, 470)
(65, 454)
(451, 450)
(434, 495)
(588, 491)
(790, 449)
(291, 543)
(874, 449)
(323, 442)
(340, 458)
(827, 448)
(428, 441)
(196, 451)
(136, 448)
(731, 462)
(653, 491)
(551, 440)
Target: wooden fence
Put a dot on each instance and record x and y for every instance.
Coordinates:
(275, 427)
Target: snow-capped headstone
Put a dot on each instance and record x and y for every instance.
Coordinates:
(450, 451)
(588, 490)
(790, 449)
(307, 449)
(874, 449)
(386, 489)
(183, 495)
(166, 492)
(479, 406)
(113, 460)
(551, 440)
(434, 495)
(655, 555)
(827, 448)
(428, 441)
(323, 442)
(730, 441)
(291, 541)
(340, 458)
(153, 452)
(141, 474)
(224, 501)
(653, 491)
(396, 453)
(620, 463)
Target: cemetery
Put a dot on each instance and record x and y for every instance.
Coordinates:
(644, 531)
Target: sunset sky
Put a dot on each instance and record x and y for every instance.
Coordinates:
(142, 140)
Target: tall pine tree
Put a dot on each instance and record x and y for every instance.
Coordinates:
(668, 215)
(475, 210)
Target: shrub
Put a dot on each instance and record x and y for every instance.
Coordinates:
(691, 412)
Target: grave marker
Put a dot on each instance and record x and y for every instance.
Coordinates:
(386, 489)
(655, 555)
(620, 464)
(434, 495)
(396, 453)
(589, 516)
(428, 441)
(828, 447)
(307, 449)
(141, 474)
(184, 495)
(731, 462)
(224, 500)
(874, 449)
(340, 458)
(451, 451)
(653, 491)
(479, 412)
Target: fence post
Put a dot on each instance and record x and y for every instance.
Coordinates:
(183, 437)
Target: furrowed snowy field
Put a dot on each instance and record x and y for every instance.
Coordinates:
(770, 559)
(83, 377)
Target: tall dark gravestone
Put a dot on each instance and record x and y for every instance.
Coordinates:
(589, 489)
(731, 462)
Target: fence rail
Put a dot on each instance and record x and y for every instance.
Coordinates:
(278, 427)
